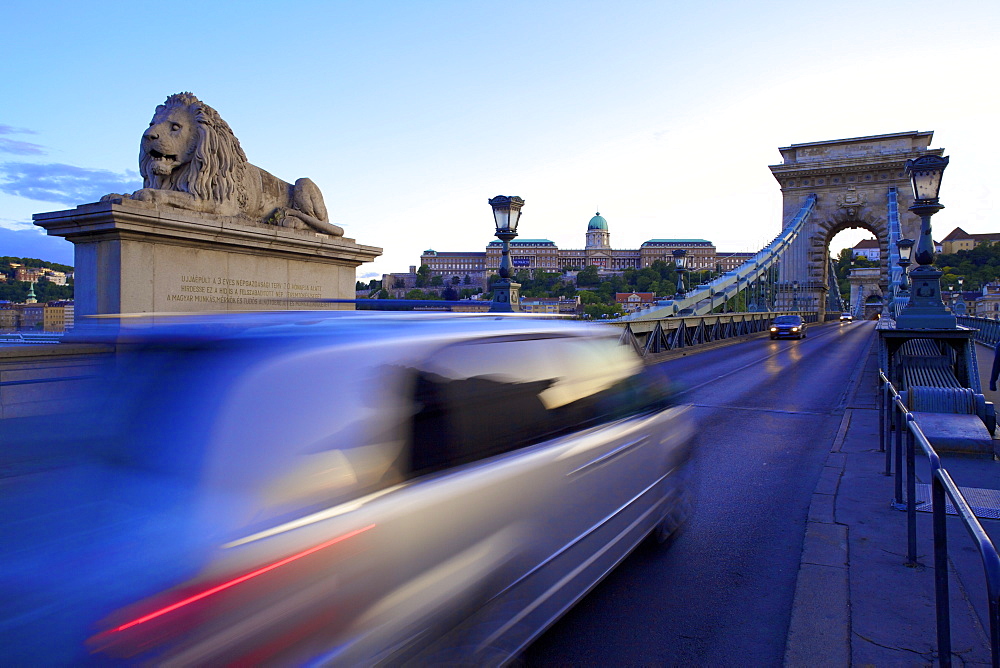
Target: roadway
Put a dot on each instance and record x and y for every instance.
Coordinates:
(722, 593)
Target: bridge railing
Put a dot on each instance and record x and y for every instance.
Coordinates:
(895, 417)
(987, 330)
(672, 333)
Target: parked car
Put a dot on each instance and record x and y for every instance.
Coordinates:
(846, 317)
(788, 326)
(346, 489)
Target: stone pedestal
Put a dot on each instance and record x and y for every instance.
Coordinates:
(506, 297)
(134, 258)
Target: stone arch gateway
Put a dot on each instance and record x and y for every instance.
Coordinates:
(854, 180)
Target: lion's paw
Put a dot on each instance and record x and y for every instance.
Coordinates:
(287, 219)
(151, 195)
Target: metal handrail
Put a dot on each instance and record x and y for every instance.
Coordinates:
(987, 330)
(892, 414)
(671, 333)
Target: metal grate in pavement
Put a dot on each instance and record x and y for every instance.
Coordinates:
(985, 503)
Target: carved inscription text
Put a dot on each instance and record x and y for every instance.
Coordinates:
(223, 290)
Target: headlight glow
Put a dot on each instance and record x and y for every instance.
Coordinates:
(774, 329)
(795, 329)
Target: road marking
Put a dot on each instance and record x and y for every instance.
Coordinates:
(756, 361)
(764, 410)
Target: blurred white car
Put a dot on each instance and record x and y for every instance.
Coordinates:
(846, 317)
(336, 488)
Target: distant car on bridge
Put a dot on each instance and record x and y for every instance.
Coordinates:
(347, 489)
(846, 317)
(788, 327)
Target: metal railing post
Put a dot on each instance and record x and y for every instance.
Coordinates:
(882, 396)
(899, 422)
(941, 570)
(911, 495)
(887, 412)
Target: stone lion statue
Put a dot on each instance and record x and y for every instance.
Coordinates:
(189, 158)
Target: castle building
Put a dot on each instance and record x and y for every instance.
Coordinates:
(450, 264)
(543, 255)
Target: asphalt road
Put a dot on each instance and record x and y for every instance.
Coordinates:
(721, 595)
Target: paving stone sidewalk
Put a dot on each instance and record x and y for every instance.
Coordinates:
(857, 603)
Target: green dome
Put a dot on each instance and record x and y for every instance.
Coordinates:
(598, 223)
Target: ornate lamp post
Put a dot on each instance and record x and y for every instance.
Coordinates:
(795, 295)
(905, 247)
(680, 259)
(506, 214)
(925, 310)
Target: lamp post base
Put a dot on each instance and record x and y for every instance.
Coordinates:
(925, 309)
(506, 297)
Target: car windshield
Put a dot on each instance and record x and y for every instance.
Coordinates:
(787, 320)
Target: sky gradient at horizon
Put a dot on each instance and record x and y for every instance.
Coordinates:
(410, 116)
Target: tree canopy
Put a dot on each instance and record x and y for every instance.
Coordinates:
(977, 267)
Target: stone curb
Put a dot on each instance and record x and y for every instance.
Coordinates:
(819, 631)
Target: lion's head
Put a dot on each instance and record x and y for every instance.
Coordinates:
(188, 147)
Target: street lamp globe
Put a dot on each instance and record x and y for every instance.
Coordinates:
(506, 213)
(680, 261)
(925, 176)
(905, 247)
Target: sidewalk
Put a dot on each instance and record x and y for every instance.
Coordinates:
(856, 602)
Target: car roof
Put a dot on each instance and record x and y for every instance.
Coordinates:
(325, 326)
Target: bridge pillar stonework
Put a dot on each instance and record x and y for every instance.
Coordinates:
(851, 179)
(867, 294)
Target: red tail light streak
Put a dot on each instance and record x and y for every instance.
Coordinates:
(226, 585)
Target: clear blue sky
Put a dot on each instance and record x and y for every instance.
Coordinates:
(409, 115)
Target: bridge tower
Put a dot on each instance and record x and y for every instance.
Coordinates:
(852, 179)
(866, 292)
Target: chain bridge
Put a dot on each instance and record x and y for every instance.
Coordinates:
(826, 187)
(798, 433)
